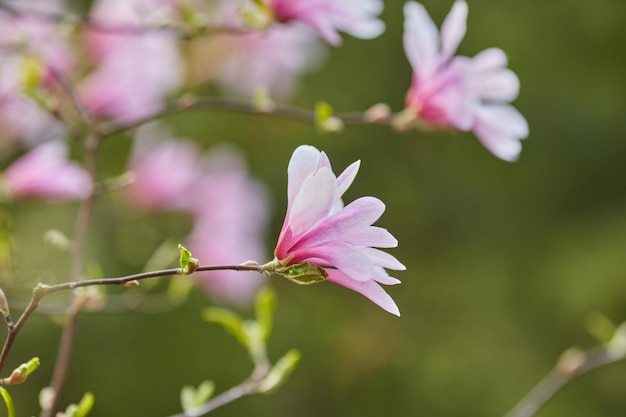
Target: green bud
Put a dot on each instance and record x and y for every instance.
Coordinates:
(20, 373)
(188, 264)
(4, 304)
(303, 274)
(261, 100)
(81, 409)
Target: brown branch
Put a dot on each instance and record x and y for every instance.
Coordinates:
(573, 364)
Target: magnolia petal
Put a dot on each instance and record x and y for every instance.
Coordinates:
(500, 86)
(500, 129)
(313, 201)
(346, 258)
(453, 29)
(420, 40)
(370, 289)
(383, 259)
(302, 163)
(489, 59)
(344, 181)
(381, 276)
(347, 224)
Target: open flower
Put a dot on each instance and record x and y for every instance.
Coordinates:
(469, 94)
(328, 17)
(45, 173)
(318, 230)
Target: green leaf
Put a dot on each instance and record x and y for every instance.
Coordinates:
(188, 264)
(280, 371)
(193, 399)
(231, 321)
(83, 408)
(20, 373)
(8, 401)
(600, 327)
(265, 305)
(303, 274)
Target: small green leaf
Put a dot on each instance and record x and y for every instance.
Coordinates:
(8, 401)
(231, 321)
(303, 274)
(192, 399)
(83, 408)
(188, 264)
(265, 305)
(280, 371)
(600, 327)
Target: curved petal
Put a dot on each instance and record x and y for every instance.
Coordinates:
(344, 181)
(346, 258)
(453, 29)
(383, 259)
(502, 86)
(370, 289)
(500, 129)
(302, 163)
(313, 202)
(488, 59)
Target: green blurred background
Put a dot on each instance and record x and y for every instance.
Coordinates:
(505, 261)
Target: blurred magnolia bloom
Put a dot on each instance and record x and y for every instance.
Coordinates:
(328, 17)
(32, 51)
(319, 230)
(135, 69)
(163, 171)
(46, 173)
(242, 63)
(469, 94)
(231, 214)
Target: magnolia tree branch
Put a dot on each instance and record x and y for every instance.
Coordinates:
(42, 290)
(378, 114)
(573, 364)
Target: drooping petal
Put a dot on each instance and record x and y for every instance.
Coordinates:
(370, 289)
(500, 128)
(453, 29)
(501, 86)
(421, 43)
(383, 259)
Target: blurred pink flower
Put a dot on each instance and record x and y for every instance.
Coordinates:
(46, 173)
(319, 230)
(231, 215)
(164, 171)
(328, 17)
(461, 92)
(240, 64)
(135, 69)
(31, 49)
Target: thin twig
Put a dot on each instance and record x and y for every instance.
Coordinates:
(237, 105)
(572, 365)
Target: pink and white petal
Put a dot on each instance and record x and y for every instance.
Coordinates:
(323, 161)
(357, 215)
(302, 163)
(421, 40)
(500, 129)
(346, 258)
(381, 276)
(344, 181)
(370, 289)
(453, 29)
(383, 259)
(313, 201)
(489, 59)
(502, 86)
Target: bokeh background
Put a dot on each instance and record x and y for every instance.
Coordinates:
(505, 262)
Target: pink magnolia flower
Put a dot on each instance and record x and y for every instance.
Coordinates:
(469, 94)
(46, 173)
(231, 215)
(135, 70)
(319, 230)
(164, 171)
(328, 17)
